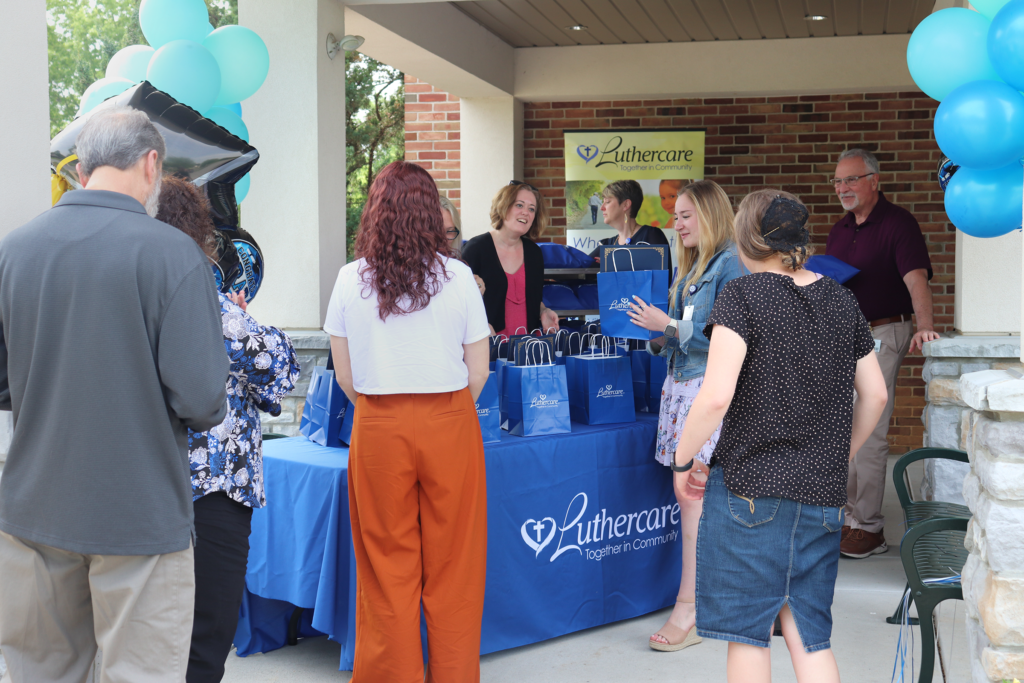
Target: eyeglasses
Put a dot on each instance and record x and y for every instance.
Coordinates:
(520, 182)
(452, 234)
(849, 180)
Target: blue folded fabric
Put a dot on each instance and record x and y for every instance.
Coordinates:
(830, 266)
(561, 256)
(587, 296)
(561, 298)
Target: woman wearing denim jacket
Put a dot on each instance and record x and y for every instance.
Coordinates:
(707, 261)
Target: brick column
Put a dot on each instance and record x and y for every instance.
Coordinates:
(432, 134)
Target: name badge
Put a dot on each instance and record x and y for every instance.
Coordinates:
(688, 313)
(878, 346)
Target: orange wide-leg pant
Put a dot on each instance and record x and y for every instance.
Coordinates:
(418, 501)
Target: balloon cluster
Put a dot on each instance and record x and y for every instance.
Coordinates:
(973, 63)
(210, 70)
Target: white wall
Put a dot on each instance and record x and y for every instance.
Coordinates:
(296, 206)
(987, 292)
(25, 122)
(492, 155)
(25, 114)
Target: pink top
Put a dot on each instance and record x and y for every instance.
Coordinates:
(515, 303)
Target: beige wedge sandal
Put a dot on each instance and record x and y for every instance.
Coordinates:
(677, 639)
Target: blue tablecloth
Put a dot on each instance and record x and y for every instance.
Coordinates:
(583, 530)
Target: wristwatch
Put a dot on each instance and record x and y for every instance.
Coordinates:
(672, 330)
(684, 468)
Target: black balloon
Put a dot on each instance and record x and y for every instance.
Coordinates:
(197, 148)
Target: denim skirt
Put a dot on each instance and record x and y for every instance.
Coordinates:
(755, 555)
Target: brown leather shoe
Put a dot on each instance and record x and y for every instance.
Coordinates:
(845, 532)
(859, 544)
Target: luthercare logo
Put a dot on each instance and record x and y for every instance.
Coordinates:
(482, 412)
(604, 531)
(608, 392)
(543, 402)
(620, 305)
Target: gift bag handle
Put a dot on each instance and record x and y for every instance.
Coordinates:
(546, 347)
(615, 265)
(569, 343)
(521, 327)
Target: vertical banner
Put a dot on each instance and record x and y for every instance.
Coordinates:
(662, 160)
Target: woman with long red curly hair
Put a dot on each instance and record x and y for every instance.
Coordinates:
(409, 337)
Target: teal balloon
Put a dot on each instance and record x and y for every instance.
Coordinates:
(244, 61)
(242, 188)
(986, 203)
(186, 71)
(235, 107)
(947, 50)
(981, 125)
(164, 21)
(225, 118)
(989, 8)
(1006, 43)
(130, 63)
(101, 90)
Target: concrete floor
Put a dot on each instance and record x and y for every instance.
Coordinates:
(865, 646)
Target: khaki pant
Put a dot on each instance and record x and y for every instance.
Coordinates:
(56, 607)
(866, 484)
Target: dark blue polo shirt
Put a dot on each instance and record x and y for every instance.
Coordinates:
(885, 247)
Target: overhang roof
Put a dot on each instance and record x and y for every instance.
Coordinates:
(545, 23)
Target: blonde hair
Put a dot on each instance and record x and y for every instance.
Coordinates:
(448, 206)
(714, 215)
(748, 230)
(506, 197)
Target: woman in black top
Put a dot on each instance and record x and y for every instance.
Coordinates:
(622, 201)
(788, 348)
(510, 262)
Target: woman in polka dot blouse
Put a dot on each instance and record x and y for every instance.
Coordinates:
(707, 261)
(788, 349)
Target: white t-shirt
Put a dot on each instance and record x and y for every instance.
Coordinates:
(416, 353)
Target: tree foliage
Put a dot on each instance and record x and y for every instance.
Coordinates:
(82, 36)
(374, 129)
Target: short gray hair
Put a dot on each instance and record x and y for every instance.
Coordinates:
(867, 157)
(118, 137)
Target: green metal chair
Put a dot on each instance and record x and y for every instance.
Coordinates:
(915, 512)
(933, 549)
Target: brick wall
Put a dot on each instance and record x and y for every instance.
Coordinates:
(432, 134)
(791, 143)
(787, 142)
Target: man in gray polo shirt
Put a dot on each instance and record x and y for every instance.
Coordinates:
(110, 348)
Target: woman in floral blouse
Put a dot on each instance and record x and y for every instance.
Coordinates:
(227, 461)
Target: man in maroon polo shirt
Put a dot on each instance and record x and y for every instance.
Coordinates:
(885, 243)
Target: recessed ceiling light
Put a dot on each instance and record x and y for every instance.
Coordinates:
(815, 17)
(577, 27)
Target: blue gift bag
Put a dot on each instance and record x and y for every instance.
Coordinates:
(305, 425)
(615, 293)
(640, 365)
(499, 380)
(326, 408)
(648, 380)
(656, 382)
(537, 398)
(488, 410)
(600, 389)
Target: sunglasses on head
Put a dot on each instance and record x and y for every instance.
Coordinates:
(520, 182)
